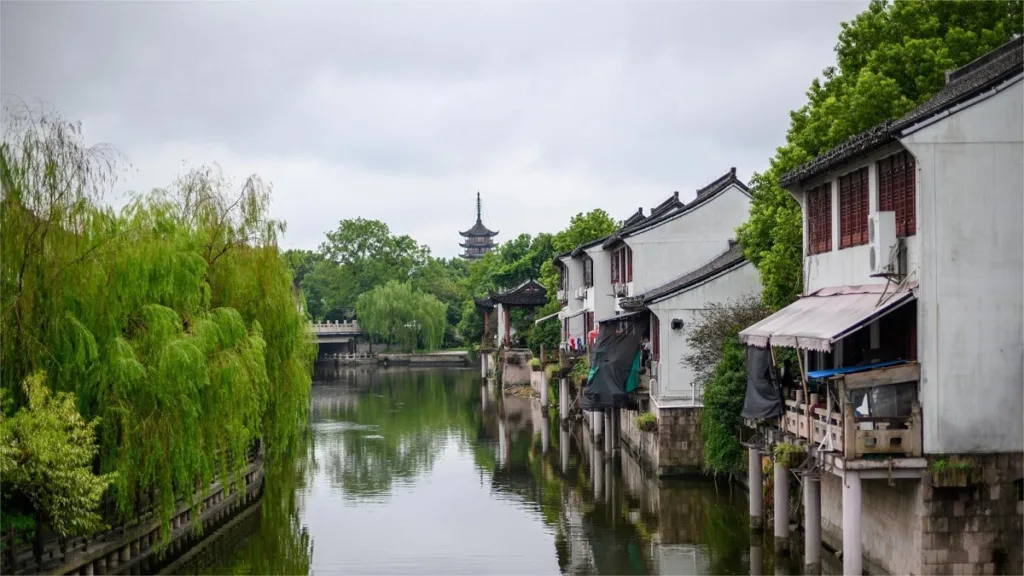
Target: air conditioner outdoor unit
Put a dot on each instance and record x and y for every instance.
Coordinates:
(883, 242)
(620, 289)
(581, 293)
(561, 295)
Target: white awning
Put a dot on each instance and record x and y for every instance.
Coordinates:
(548, 317)
(825, 316)
(564, 313)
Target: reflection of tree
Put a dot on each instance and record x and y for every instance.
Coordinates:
(280, 544)
(402, 425)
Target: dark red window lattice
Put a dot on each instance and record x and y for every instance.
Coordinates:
(655, 338)
(615, 267)
(819, 219)
(897, 190)
(853, 208)
(629, 264)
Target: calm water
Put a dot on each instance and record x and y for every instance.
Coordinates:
(431, 472)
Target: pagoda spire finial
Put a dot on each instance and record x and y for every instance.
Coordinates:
(478, 206)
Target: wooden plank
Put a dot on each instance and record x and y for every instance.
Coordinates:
(910, 372)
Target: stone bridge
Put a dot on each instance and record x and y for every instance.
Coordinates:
(337, 337)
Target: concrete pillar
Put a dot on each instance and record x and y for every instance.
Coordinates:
(852, 554)
(812, 525)
(87, 569)
(755, 484)
(124, 555)
(543, 390)
(756, 555)
(483, 365)
(781, 508)
(112, 560)
(597, 470)
(99, 565)
(597, 425)
(563, 449)
(563, 399)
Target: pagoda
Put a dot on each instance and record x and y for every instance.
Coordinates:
(478, 238)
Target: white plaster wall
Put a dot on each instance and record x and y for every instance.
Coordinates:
(850, 266)
(674, 382)
(679, 245)
(574, 279)
(603, 301)
(971, 306)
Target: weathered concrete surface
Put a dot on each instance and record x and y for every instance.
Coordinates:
(674, 448)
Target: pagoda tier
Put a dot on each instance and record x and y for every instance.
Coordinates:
(478, 238)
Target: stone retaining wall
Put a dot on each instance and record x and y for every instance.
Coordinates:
(675, 447)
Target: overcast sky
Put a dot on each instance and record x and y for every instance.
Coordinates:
(402, 111)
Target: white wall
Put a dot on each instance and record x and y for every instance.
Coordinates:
(850, 266)
(602, 299)
(971, 300)
(679, 245)
(674, 381)
(574, 279)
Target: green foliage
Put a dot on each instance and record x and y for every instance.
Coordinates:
(721, 419)
(174, 320)
(46, 454)
(535, 364)
(397, 312)
(789, 455)
(647, 421)
(714, 325)
(580, 368)
(890, 58)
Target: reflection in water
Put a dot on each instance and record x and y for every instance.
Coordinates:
(430, 471)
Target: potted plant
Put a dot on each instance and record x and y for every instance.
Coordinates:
(647, 422)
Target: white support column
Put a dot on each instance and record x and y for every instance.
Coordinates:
(852, 552)
(483, 365)
(543, 390)
(781, 507)
(755, 483)
(597, 425)
(483, 397)
(563, 398)
(597, 470)
(812, 524)
(756, 555)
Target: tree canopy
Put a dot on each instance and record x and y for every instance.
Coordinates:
(396, 312)
(890, 58)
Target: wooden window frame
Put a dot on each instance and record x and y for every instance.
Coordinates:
(854, 205)
(897, 191)
(615, 267)
(819, 219)
(588, 272)
(655, 338)
(629, 264)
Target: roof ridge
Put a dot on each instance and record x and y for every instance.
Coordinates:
(728, 176)
(985, 59)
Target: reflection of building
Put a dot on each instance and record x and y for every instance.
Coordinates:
(911, 330)
(479, 239)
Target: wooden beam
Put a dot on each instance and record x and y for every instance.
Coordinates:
(910, 372)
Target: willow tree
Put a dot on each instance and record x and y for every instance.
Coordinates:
(174, 320)
(395, 312)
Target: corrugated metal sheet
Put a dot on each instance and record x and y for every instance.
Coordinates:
(821, 318)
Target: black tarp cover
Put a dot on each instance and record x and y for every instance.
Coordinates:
(763, 399)
(615, 353)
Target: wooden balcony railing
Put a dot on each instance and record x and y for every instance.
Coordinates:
(856, 436)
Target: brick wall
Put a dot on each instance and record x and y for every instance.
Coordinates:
(977, 529)
(674, 448)
(914, 527)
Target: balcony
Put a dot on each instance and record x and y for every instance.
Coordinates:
(880, 415)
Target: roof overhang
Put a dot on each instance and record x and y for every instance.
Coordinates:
(822, 318)
(620, 317)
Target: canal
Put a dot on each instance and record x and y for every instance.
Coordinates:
(412, 471)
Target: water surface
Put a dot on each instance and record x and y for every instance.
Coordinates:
(433, 472)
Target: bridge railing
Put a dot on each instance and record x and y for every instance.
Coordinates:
(338, 327)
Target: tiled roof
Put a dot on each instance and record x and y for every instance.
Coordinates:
(962, 85)
(529, 293)
(478, 229)
(704, 195)
(724, 261)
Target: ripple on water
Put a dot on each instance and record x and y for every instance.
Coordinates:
(342, 427)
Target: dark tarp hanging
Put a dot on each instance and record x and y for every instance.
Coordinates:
(763, 399)
(614, 367)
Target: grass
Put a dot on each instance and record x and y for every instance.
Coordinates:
(647, 422)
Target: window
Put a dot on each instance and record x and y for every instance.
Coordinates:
(896, 191)
(588, 323)
(588, 272)
(655, 338)
(622, 265)
(853, 208)
(615, 267)
(629, 264)
(819, 219)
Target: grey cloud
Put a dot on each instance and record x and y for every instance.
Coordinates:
(644, 94)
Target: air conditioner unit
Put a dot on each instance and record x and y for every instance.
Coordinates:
(581, 293)
(883, 242)
(620, 289)
(561, 295)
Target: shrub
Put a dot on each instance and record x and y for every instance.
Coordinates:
(721, 419)
(647, 422)
(535, 364)
(789, 455)
(718, 323)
